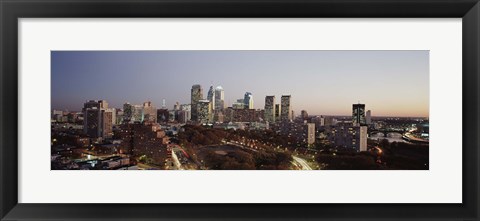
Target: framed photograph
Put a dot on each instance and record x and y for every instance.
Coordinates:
(227, 110)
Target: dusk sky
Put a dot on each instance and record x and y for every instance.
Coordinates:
(389, 83)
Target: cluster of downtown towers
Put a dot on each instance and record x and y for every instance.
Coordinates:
(99, 118)
(212, 109)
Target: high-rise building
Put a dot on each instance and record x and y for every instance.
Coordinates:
(114, 115)
(368, 118)
(358, 115)
(107, 123)
(278, 111)
(304, 115)
(183, 116)
(176, 106)
(362, 139)
(219, 98)
(285, 114)
(132, 113)
(196, 95)
(310, 133)
(97, 119)
(187, 108)
(270, 109)
(150, 112)
(203, 111)
(162, 115)
(119, 116)
(211, 97)
(248, 100)
(164, 104)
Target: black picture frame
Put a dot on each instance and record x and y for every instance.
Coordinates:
(12, 10)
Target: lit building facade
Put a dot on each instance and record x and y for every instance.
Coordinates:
(270, 109)
(150, 112)
(219, 98)
(162, 115)
(248, 100)
(211, 98)
(278, 111)
(203, 112)
(97, 119)
(285, 114)
(358, 115)
(310, 133)
(132, 113)
(196, 96)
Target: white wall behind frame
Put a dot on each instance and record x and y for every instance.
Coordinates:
(441, 184)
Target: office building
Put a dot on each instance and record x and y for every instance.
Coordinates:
(162, 115)
(239, 104)
(368, 118)
(203, 112)
(269, 109)
(97, 119)
(310, 133)
(358, 115)
(248, 100)
(285, 114)
(176, 106)
(150, 112)
(132, 113)
(278, 109)
(196, 96)
(211, 98)
(219, 99)
(303, 114)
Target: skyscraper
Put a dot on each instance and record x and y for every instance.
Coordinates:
(310, 133)
(176, 106)
(203, 111)
(368, 118)
(358, 115)
(248, 100)
(211, 98)
(304, 115)
(219, 98)
(97, 119)
(278, 110)
(362, 139)
(150, 112)
(270, 109)
(132, 113)
(285, 114)
(196, 95)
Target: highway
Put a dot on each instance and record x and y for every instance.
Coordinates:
(302, 162)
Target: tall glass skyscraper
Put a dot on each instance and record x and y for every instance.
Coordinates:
(248, 100)
(285, 114)
(358, 115)
(196, 95)
(219, 98)
(270, 109)
(211, 97)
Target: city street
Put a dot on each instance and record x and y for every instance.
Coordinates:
(302, 163)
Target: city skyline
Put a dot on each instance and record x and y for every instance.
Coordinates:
(390, 83)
